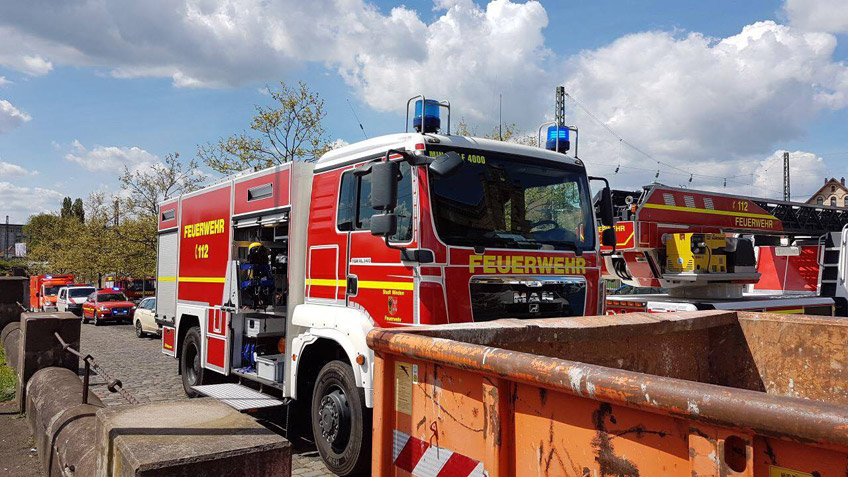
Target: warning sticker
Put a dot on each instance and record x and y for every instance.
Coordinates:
(403, 388)
(775, 471)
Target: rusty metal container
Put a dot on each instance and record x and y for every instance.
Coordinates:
(679, 394)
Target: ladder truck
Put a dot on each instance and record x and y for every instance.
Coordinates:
(710, 250)
(268, 281)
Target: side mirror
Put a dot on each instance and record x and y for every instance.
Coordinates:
(446, 163)
(384, 185)
(384, 225)
(608, 238)
(605, 208)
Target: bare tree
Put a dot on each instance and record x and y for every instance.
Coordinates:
(145, 188)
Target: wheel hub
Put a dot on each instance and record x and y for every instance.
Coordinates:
(333, 416)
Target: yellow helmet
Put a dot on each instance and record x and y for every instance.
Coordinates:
(253, 245)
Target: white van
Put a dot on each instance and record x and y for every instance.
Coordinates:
(71, 298)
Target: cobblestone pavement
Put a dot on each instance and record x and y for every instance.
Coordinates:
(151, 376)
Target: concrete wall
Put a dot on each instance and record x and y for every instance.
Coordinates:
(13, 290)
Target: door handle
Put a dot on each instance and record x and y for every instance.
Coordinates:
(352, 285)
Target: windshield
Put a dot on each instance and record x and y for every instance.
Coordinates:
(50, 290)
(140, 285)
(79, 292)
(111, 297)
(507, 201)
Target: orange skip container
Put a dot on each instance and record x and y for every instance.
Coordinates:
(708, 393)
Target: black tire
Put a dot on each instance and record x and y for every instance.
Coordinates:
(97, 319)
(138, 332)
(84, 319)
(191, 367)
(341, 424)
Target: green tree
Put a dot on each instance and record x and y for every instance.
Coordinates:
(289, 129)
(77, 210)
(67, 207)
(507, 133)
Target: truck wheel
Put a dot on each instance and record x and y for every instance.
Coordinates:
(341, 424)
(191, 367)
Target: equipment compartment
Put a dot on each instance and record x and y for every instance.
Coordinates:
(262, 326)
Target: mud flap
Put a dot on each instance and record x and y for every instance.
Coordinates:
(169, 334)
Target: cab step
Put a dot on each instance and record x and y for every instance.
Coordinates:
(237, 396)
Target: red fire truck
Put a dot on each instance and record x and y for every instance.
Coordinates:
(134, 288)
(274, 277)
(709, 250)
(43, 290)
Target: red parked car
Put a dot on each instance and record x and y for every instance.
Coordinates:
(107, 305)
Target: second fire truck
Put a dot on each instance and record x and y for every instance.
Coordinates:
(272, 278)
(708, 250)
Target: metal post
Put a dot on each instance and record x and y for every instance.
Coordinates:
(786, 194)
(85, 382)
(6, 241)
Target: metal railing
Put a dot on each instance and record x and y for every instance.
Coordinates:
(112, 384)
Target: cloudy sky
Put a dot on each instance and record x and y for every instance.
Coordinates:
(705, 91)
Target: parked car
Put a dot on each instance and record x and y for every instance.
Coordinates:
(107, 305)
(144, 318)
(72, 297)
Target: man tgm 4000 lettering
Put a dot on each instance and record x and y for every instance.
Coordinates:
(275, 277)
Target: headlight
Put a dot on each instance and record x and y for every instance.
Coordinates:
(103, 308)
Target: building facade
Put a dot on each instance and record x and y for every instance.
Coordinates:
(10, 234)
(832, 193)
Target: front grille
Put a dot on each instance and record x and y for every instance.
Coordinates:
(493, 298)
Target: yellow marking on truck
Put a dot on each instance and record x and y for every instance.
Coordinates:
(203, 279)
(526, 264)
(329, 282)
(386, 285)
(207, 227)
(709, 211)
(167, 279)
(325, 282)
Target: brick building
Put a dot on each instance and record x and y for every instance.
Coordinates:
(832, 193)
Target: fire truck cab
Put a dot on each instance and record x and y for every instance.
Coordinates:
(268, 281)
(44, 289)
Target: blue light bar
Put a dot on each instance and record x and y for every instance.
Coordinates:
(557, 134)
(48, 277)
(116, 289)
(427, 121)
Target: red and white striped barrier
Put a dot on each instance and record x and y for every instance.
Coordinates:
(424, 460)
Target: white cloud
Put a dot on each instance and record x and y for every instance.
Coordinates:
(109, 158)
(11, 117)
(469, 53)
(4, 81)
(8, 169)
(21, 202)
(696, 102)
(699, 103)
(806, 174)
(818, 15)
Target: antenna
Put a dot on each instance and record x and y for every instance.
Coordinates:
(357, 118)
(786, 195)
(500, 120)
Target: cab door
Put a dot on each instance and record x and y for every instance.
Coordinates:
(377, 279)
(61, 300)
